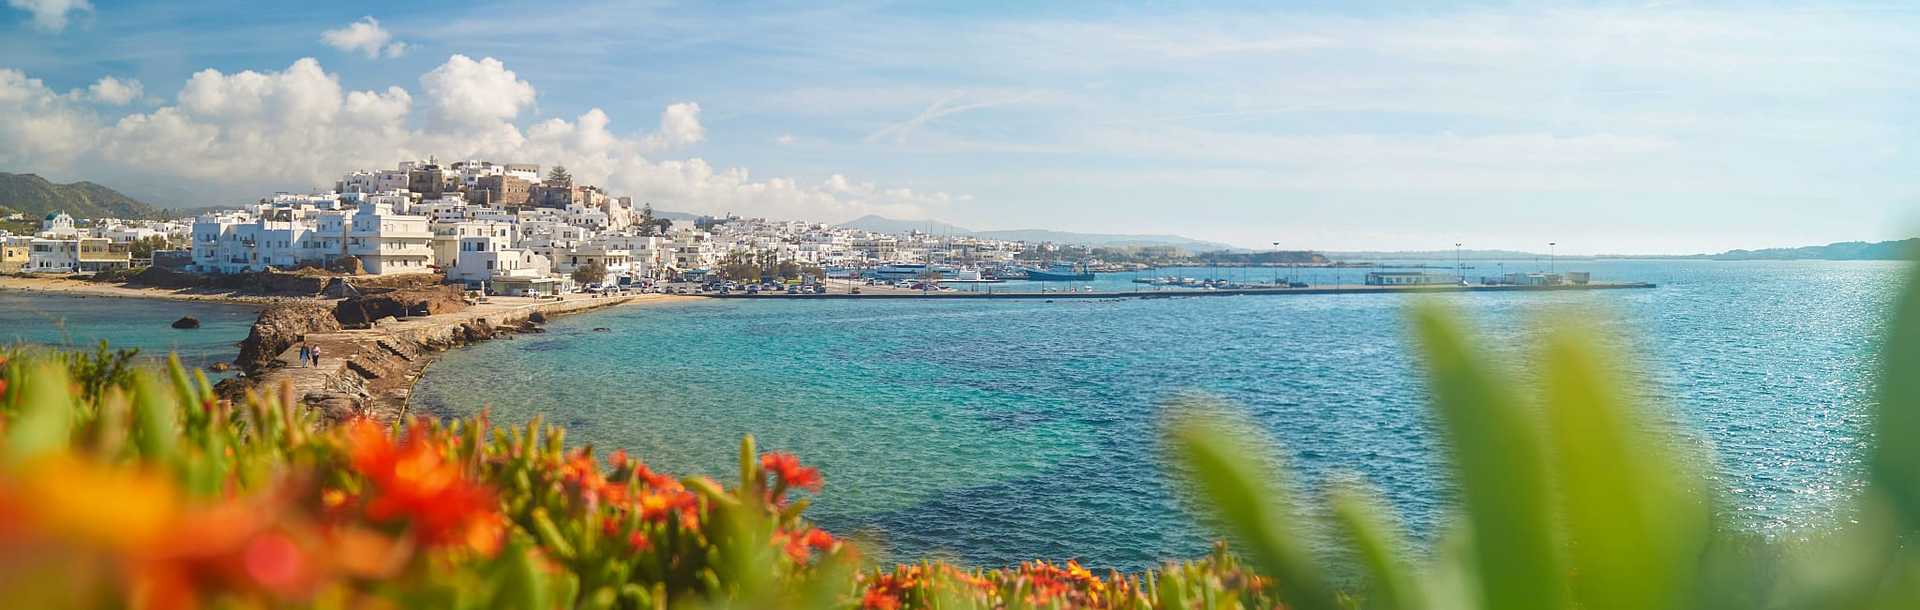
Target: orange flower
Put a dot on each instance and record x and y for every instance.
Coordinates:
(883, 593)
(656, 505)
(415, 482)
(789, 474)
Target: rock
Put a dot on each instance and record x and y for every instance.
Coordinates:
(187, 322)
(334, 406)
(363, 310)
(278, 328)
(602, 329)
(537, 318)
(477, 330)
(220, 367)
(349, 265)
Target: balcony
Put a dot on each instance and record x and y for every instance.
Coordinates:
(403, 250)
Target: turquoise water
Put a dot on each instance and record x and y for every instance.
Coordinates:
(72, 321)
(997, 431)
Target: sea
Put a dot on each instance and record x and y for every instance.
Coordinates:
(995, 431)
(82, 322)
(990, 432)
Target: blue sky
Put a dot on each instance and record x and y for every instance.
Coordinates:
(1639, 127)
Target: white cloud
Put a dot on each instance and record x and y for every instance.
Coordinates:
(236, 136)
(785, 139)
(680, 125)
(51, 15)
(114, 91)
(41, 128)
(472, 93)
(365, 37)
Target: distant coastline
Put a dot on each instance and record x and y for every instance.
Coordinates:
(85, 288)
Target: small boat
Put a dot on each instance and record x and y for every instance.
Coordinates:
(1060, 272)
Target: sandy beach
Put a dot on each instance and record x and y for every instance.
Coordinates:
(72, 287)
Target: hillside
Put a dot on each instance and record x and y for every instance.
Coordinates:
(1437, 255)
(879, 224)
(35, 196)
(1841, 251)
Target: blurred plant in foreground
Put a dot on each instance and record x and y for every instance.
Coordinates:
(119, 488)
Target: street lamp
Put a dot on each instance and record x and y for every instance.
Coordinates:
(1276, 262)
(1551, 246)
(1458, 267)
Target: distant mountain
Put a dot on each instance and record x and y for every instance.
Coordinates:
(35, 196)
(1843, 251)
(879, 224)
(1430, 255)
(1104, 239)
(676, 216)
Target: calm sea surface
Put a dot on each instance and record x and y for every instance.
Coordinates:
(81, 322)
(997, 431)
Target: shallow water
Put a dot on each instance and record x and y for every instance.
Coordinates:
(998, 431)
(82, 322)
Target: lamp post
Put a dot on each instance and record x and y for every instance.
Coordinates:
(1459, 268)
(1551, 246)
(1276, 264)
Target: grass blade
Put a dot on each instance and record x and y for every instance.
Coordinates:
(1635, 520)
(1896, 457)
(1379, 546)
(1237, 490)
(1501, 467)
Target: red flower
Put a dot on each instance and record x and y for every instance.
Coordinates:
(800, 547)
(415, 482)
(789, 474)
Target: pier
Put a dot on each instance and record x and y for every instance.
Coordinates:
(883, 292)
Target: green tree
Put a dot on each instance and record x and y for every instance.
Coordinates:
(590, 273)
(144, 247)
(558, 176)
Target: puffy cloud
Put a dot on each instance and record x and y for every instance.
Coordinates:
(114, 91)
(365, 37)
(785, 139)
(41, 128)
(234, 136)
(475, 93)
(680, 125)
(51, 15)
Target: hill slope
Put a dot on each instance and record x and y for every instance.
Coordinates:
(1842, 251)
(35, 196)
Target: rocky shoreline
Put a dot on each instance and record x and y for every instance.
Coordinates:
(370, 371)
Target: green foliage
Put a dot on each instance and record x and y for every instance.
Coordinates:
(1575, 498)
(591, 273)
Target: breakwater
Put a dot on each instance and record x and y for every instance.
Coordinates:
(886, 293)
(371, 371)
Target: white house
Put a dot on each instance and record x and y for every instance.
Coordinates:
(389, 243)
(58, 225)
(491, 263)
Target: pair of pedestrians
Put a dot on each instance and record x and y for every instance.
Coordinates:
(309, 355)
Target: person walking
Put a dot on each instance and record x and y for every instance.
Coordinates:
(316, 355)
(306, 355)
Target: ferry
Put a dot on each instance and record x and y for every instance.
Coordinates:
(1061, 272)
